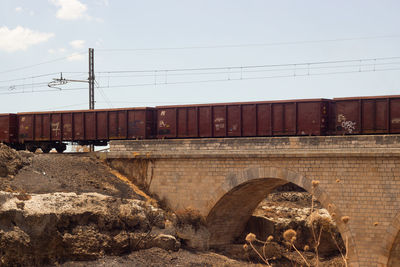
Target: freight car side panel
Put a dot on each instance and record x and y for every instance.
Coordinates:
(284, 119)
(395, 115)
(122, 124)
(56, 126)
(234, 114)
(347, 117)
(102, 125)
(166, 126)
(205, 122)
(136, 124)
(182, 118)
(113, 125)
(117, 123)
(264, 122)
(187, 122)
(41, 127)
(66, 119)
(192, 124)
(249, 120)
(219, 121)
(90, 125)
(151, 122)
(4, 128)
(25, 128)
(374, 115)
(311, 118)
(8, 128)
(78, 124)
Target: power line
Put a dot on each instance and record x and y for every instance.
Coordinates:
(235, 71)
(251, 45)
(30, 77)
(38, 64)
(212, 80)
(255, 66)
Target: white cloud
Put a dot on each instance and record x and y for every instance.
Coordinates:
(102, 2)
(21, 38)
(61, 50)
(31, 12)
(75, 57)
(51, 51)
(18, 9)
(77, 44)
(70, 9)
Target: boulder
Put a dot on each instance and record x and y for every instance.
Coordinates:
(50, 228)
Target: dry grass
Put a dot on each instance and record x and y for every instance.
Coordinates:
(191, 217)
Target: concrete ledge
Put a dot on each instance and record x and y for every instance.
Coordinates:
(264, 147)
(384, 153)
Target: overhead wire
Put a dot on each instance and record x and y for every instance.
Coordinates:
(38, 64)
(252, 66)
(247, 71)
(249, 45)
(213, 80)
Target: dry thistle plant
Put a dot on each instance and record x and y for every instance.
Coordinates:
(290, 236)
(250, 238)
(323, 223)
(345, 219)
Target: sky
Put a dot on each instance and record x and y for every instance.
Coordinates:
(164, 52)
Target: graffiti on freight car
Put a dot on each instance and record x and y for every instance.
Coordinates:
(348, 126)
(233, 128)
(396, 120)
(219, 123)
(162, 124)
(162, 113)
(55, 127)
(67, 127)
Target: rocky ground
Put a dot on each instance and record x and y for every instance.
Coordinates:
(73, 210)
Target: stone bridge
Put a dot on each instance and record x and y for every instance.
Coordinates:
(225, 179)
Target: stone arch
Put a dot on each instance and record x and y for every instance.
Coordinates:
(390, 255)
(245, 189)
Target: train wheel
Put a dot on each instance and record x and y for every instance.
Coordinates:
(46, 149)
(31, 148)
(61, 148)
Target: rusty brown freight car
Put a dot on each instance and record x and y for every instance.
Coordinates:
(8, 128)
(49, 129)
(365, 115)
(272, 118)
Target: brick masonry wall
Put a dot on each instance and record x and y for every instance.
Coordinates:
(225, 179)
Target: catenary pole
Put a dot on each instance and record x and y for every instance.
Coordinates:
(91, 78)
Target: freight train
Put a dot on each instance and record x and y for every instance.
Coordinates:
(338, 116)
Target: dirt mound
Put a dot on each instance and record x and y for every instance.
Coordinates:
(12, 161)
(50, 228)
(48, 173)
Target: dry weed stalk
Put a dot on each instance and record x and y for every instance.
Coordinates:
(290, 236)
(324, 224)
(250, 238)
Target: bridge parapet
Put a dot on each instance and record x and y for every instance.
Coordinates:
(339, 146)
